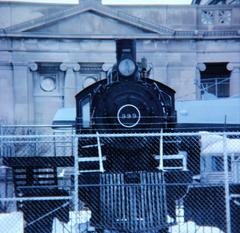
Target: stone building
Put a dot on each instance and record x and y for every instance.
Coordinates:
(48, 53)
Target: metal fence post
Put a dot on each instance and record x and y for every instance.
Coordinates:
(226, 184)
(76, 182)
(76, 172)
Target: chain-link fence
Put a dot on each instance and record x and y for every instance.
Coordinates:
(152, 182)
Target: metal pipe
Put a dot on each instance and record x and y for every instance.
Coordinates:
(226, 184)
(57, 198)
(47, 214)
(76, 182)
(120, 135)
(76, 173)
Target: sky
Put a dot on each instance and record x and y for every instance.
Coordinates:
(112, 2)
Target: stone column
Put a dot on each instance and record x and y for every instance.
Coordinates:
(21, 94)
(70, 83)
(6, 93)
(33, 67)
(199, 68)
(234, 78)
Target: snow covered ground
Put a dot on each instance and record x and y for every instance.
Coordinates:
(77, 220)
(191, 227)
(82, 218)
(14, 223)
(11, 222)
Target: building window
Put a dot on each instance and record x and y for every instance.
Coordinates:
(216, 16)
(203, 164)
(218, 164)
(215, 81)
(86, 112)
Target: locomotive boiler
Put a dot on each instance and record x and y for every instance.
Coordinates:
(128, 193)
(127, 100)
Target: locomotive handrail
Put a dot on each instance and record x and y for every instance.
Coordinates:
(100, 154)
(161, 152)
(181, 156)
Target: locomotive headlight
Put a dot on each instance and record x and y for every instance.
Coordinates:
(126, 67)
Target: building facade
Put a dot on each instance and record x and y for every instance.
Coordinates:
(48, 53)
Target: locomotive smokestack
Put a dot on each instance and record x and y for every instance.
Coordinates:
(126, 48)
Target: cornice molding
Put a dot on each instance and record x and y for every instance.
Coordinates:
(96, 8)
(187, 35)
(20, 64)
(66, 66)
(5, 63)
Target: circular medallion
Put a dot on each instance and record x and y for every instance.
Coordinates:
(128, 115)
(48, 84)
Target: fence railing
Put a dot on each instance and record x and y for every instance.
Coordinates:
(138, 182)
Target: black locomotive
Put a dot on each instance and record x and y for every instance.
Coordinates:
(129, 194)
(127, 99)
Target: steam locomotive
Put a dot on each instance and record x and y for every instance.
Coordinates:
(128, 100)
(129, 194)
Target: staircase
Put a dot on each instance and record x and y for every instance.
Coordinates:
(31, 176)
(35, 178)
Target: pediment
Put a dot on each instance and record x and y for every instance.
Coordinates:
(89, 23)
(89, 20)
